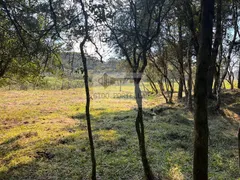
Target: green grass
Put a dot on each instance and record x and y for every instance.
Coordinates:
(43, 136)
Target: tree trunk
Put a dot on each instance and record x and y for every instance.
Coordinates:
(87, 107)
(218, 69)
(180, 88)
(87, 110)
(231, 46)
(223, 77)
(217, 78)
(140, 130)
(152, 84)
(232, 80)
(217, 41)
(162, 90)
(200, 161)
(180, 59)
(160, 82)
(189, 103)
(168, 82)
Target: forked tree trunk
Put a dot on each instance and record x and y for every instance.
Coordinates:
(152, 84)
(140, 130)
(162, 90)
(167, 83)
(200, 161)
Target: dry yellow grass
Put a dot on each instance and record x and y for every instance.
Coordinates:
(43, 136)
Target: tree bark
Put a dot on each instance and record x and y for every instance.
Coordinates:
(152, 84)
(167, 82)
(87, 107)
(160, 84)
(231, 79)
(218, 69)
(217, 41)
(180, 59)
(180, 88)
(217, 79)
(189, 56)
(200, 161)
(87, 111)
(140, 129)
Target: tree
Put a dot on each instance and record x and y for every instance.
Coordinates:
(231, 45)
(217, 41)
(85, 69)
(26, 45)
(134, 27)
(69, 23)
(189, 82)
(200, 162)
(160, 62)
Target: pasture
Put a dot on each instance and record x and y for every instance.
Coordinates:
(43, 135)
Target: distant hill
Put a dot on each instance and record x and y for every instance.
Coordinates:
(71, 63)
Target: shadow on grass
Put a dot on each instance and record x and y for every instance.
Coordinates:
(169, 146)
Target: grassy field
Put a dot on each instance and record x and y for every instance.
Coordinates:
(43, 136)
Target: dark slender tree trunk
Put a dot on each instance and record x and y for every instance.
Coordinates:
(154, 88)
(231, 80)
(217, 77)
(170, 93)
(200, 161)
(189, 103)
(180, 59)
(87, 110)
(217, 41)
(218, 69)
(152, 84)
(140, 130)
(180, 88)
(87, 107)
(162, 91)
(167, 83)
